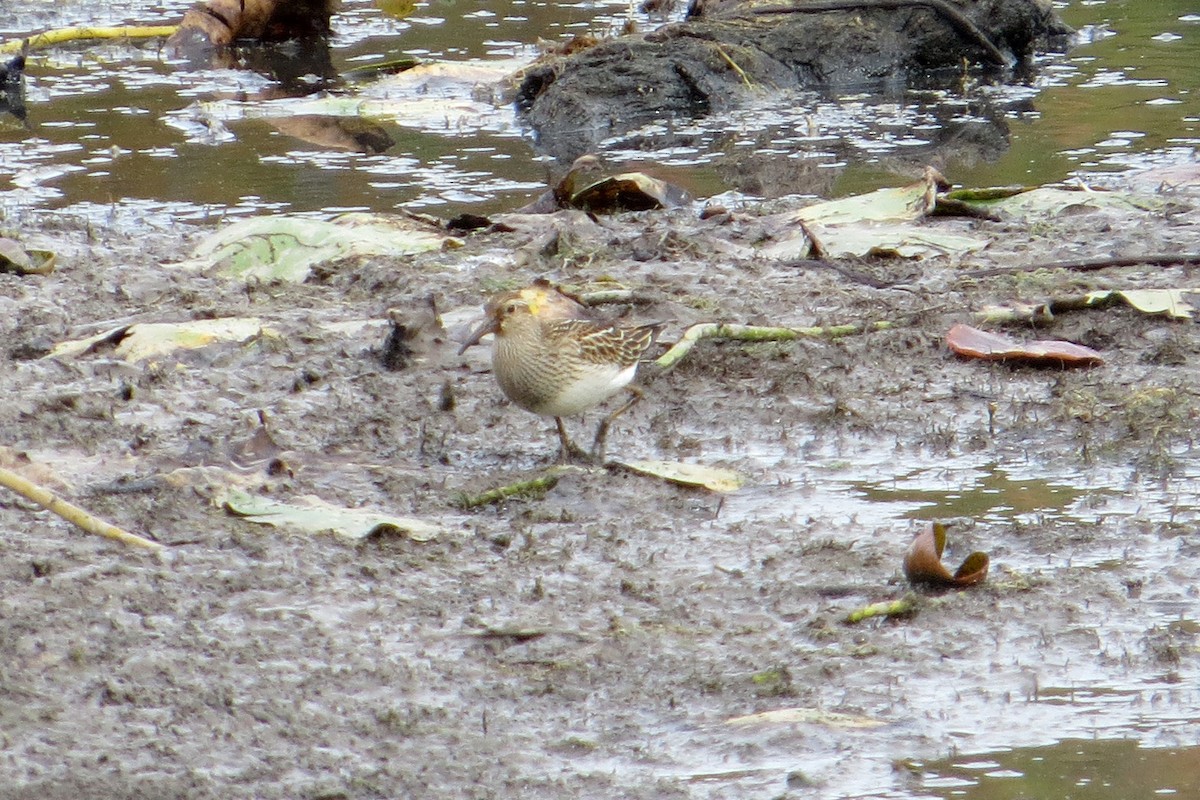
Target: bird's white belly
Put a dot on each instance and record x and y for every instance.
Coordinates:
(589, 389)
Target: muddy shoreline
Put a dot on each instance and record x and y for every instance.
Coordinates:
(597, 640)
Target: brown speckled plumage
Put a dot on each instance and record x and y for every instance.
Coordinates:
(551, 359)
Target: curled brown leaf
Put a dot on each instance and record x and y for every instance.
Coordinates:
(923, 561)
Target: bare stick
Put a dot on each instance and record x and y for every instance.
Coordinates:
(756, 333)
(71, 513)
(1089, 265)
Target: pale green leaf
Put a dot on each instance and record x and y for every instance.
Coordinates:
(154, 339)
(1171, 302)
(283, 248)
(313, 515)
(894, 204)
(1051, 202)
(715, 479)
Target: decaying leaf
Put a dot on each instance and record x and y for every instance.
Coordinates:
(1175, 303)
(811, 716)
(715, 479)
(283, 248)
(15, 258)
(973, 343)
(923, 561)
(1050, 201)
(313, 515)
(880, 223)
(153, 339)
(897, 204)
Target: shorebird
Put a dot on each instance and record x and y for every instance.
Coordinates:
(551, 358)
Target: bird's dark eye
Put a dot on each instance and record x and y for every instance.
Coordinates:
(511, 308)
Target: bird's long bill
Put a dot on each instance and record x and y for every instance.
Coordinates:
(489, 325)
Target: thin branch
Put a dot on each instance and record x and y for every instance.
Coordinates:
(1093, 264)
(71, 513)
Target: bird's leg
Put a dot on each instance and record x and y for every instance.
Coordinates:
(598, 445)
(569, 451)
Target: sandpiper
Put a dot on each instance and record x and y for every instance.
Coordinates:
(550, 358)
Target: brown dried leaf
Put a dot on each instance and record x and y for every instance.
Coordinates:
(974, 343)
(923, 561)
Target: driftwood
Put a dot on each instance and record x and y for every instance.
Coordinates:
(727, 49)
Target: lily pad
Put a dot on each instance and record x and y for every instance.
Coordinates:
(313, 515)
(715, 479)
(1175, 303)
(284, 248)
(154, 339)
(1047, 201)
(895, 204)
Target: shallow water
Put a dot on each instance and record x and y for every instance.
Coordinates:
(116, 124)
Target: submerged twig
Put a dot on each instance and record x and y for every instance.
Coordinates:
(757, 333)
(71, 513)
(60, 35)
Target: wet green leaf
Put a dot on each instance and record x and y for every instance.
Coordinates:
(1176, 303)
(715, 479)
(154, 339)
(282, 248)
(313, 515)
(900, 203)
(1051, 202)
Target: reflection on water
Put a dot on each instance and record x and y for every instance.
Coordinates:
(1081, 770)
(114, 123)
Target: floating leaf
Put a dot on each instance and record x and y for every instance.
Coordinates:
(808, 716)
(923, 561)
(715, 479)
(974, 343)
(313, 515)
(152, 339)
(283, 248)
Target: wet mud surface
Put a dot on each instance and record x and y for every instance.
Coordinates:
(595, 641)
